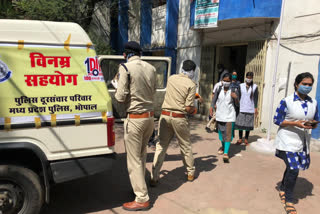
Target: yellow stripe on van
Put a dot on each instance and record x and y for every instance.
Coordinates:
(89, 46)
(37, 122)
(20, 44)
(7, 123)
(67, 42)
(77, 120)
(53, 120)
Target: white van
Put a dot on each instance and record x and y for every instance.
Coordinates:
(56, 119)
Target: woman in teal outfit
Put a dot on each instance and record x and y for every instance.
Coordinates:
(224, 102)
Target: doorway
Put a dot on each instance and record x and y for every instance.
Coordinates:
(233, 58)
(243, 58)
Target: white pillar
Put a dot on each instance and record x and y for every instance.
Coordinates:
(275, 72)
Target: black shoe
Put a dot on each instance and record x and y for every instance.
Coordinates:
(225, 158)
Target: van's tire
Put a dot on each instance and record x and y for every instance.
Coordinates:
(21, 191)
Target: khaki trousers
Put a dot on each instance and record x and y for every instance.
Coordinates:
(137, 133)
(168, 126)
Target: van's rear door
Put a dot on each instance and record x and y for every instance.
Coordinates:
(109, 66)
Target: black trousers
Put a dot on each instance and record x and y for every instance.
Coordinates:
(241, 134)
(289, 178)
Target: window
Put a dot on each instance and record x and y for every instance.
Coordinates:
(110, 67)
(161, 68)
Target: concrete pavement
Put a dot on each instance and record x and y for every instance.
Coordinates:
(247, 185)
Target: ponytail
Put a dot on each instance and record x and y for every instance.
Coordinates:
(251, 95)
(250, 74)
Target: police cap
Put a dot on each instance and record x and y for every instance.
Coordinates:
(133, 46)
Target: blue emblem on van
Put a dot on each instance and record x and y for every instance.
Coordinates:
(5, 73)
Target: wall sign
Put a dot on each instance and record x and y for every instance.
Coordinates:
(206, 15)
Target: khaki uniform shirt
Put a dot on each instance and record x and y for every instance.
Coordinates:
(180, 93)
(138, 95)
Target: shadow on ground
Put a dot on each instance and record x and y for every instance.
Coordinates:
(302, 189)
(99, 192)
(236, 149)
(111, 189)
(254, 138)
(172, 180)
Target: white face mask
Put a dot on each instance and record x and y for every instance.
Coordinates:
(248, 80)
(190, 74)
(226, 84)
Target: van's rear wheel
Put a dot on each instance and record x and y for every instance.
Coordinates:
(20, 190)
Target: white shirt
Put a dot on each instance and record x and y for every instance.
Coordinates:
(246, 103)
(225, 111)
(292, 138)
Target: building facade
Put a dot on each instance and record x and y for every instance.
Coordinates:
(245, 39)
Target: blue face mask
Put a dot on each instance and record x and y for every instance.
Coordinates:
(303, 89)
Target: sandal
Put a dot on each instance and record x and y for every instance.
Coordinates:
(289, 208)
(246, 142)
(239, 142)
(220, 151)
(282, 196)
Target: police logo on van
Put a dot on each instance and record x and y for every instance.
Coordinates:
(5, 73)
(94, 72)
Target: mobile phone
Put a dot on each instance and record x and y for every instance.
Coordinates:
(311, 123)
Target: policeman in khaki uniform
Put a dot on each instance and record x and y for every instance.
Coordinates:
(178, 102)
(136, 88)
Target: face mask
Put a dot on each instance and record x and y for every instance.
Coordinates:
(303, 89)
(129, 56)
(226, 84)
(190, 74)
(234, 77)
(248, 80)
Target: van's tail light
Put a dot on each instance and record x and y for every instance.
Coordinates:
(110, 130)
